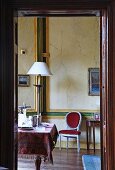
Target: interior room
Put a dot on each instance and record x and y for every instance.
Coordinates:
(9, 131)
(71, 48)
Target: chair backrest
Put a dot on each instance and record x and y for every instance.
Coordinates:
(73, 120)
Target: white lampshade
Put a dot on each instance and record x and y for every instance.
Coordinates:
(39, 68)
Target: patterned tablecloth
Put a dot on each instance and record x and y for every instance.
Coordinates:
(39, 141)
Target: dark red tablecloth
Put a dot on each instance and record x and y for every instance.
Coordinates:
(39, 141)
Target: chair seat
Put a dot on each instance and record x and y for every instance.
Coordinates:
(70, 132)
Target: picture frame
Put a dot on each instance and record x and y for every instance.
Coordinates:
(97, 116)
(94, 82)
(23, 80)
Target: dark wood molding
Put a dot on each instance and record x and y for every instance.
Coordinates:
(7, 62)
(7, 87)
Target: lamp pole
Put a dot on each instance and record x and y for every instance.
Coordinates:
(39, 69)
(38, 85)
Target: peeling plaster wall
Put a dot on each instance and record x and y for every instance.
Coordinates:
(74, 46)
(26, 41)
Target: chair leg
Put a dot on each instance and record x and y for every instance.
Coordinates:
(78, 143)
(60, 142)
(67, 143)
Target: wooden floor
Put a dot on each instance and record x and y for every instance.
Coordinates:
(63, 160)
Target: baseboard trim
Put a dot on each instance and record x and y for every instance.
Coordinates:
(72, 144)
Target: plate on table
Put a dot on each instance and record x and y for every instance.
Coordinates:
(46, 124)
(26, 128)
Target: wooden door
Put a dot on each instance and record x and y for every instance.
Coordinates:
(8, 96)
(104, 86)
(15, 90)
(107, 111)
(53, 8)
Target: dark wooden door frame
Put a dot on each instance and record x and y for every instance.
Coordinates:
(53, 8)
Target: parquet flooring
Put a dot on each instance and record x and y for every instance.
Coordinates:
(63, 160)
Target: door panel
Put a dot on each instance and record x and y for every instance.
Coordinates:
(15, 90)
(106, 100)
(103, 85)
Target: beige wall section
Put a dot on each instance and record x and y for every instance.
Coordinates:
(27, 41)
(74, 46)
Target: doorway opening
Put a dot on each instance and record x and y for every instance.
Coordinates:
(78, 46)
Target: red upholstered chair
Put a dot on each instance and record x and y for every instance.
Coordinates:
(73, 121)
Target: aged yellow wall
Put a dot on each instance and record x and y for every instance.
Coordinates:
(26, 41)
(74, 46)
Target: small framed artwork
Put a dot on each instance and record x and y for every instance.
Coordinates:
(97, 116)
(23, 80)
(94, 82)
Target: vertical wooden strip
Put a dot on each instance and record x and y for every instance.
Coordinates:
(47, 80)
(35, 38)
(39, 38)
(35, 59)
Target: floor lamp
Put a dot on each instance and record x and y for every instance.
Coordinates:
(39, 69)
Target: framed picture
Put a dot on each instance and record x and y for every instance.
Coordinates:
(23, 80)
(94, 82)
